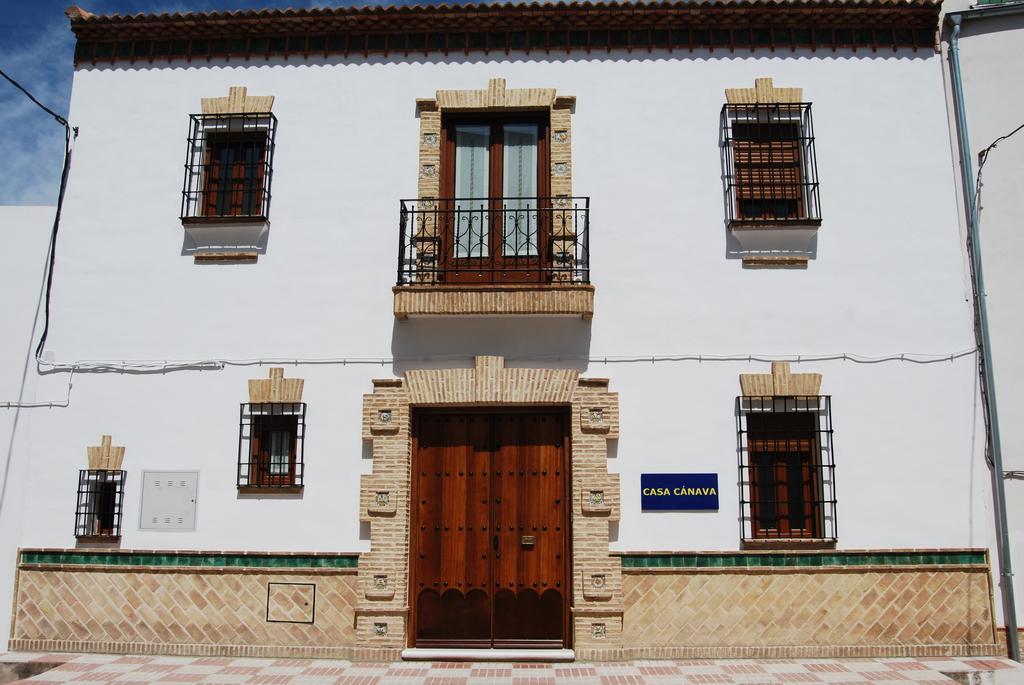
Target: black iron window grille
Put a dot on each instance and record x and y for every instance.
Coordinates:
(100, 500)
(494, 240)
(769, 165)
(228, 167)
(787, 468)
(270, 445)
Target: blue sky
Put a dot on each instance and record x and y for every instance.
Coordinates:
(36, 49)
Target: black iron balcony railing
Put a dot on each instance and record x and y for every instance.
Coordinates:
(494, 241)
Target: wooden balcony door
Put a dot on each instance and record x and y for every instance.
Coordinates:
(490, 545)
(496, 176)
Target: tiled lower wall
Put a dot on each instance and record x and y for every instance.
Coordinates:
(679, 605)
(903, 603)
(186, 603)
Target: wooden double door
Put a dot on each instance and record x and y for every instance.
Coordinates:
(490, 529)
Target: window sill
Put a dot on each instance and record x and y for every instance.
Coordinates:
(787, 543)
(109, 539)
(204, 220)
(270, 489)
(496, 300)
(774, 224)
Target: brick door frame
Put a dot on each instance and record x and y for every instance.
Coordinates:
(382, 610)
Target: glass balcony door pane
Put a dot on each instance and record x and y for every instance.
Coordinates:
(519, 191)
(280, 453)
(472, 179)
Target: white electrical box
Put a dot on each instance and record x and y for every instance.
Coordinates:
(169, 500)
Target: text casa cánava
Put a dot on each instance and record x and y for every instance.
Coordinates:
(678, 492)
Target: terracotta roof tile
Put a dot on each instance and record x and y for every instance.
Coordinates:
(80, 15)
(870, 18)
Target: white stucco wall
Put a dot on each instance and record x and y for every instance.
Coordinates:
(994, 107)
(25, 232)
(887, 280)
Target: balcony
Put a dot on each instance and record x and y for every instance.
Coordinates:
(497, 256)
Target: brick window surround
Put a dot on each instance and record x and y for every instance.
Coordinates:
(382, 610)
(554, 298)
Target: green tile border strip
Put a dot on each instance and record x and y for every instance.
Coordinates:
(189, 559)
(790, 559)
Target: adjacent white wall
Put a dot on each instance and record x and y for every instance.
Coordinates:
(994, 97)
(25, 232)
(887, 279)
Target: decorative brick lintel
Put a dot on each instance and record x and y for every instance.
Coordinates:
(245, 257)
(567, 300)
(771, 262)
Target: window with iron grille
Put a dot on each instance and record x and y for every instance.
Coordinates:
(787, 470)
(270, 445)
(228, 168)
(771, 172)
(100, 499)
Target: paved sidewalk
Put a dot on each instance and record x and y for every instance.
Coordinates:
(102, 669)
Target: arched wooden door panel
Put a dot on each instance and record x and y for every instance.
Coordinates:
(489, 547)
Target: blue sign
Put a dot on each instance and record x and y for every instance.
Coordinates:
(678, 491)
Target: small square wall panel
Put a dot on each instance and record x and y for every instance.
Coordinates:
(169, 500)
(291, 602)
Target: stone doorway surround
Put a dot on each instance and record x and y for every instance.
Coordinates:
(382, 609)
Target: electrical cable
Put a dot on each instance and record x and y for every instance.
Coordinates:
(60, 120)
(70, 134)
(983, 157)
(48, 404)
(144, 366)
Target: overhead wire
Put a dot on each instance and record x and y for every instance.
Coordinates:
(70, 135)
(142, 366)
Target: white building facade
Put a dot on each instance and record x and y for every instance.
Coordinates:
(687, 279)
